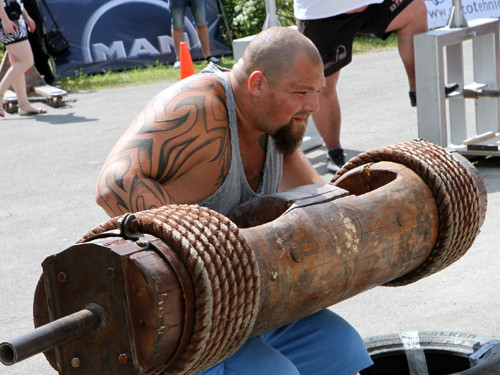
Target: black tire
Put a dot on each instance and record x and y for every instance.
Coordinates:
(446, 353)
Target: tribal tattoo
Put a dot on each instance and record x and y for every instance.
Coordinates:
(182, 135)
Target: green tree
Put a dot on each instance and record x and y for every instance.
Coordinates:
(246, 17)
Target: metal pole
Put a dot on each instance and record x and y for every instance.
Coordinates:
(457, 19)
(271, 17)
(51, 335)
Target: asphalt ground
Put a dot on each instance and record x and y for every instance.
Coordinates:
(50, 163)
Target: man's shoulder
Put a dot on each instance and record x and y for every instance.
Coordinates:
(199, 84)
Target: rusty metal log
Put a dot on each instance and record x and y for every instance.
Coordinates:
(182, 287)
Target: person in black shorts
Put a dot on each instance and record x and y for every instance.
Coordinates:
(14, 27)
(334, 35)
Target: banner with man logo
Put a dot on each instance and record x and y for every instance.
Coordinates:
(438, 11)
(123, 34)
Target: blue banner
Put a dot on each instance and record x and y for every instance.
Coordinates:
(123, 34)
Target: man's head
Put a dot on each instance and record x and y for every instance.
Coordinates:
(283, 73)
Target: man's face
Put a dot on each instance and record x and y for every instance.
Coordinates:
(291, 101)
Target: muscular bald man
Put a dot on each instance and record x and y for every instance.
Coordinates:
(218, 139)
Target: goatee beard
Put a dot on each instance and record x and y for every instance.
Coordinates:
(286, 141)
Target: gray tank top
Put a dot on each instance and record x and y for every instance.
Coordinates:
(235, 189)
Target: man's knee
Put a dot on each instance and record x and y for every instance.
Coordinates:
(419, 9)
(321, 343)
(330, 89)
(334, 328)
(413, 18)
(256, 357)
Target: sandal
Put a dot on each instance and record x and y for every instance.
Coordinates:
(31, 111)
(2, 112)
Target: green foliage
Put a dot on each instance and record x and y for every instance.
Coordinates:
(246, 17)
(366, 43)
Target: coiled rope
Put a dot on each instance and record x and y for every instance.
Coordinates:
(224, 273)
(456, 193)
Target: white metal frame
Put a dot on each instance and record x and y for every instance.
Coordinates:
(430, 80)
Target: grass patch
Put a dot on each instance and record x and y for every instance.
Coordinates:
(132, 77)
(367, 43)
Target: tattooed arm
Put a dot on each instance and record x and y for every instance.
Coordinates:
(177, 150)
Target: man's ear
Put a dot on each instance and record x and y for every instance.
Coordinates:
(257, 82)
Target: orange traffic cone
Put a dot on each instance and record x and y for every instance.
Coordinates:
(187, 68)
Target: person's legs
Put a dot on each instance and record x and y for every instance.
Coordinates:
(178, 37)
(411, 21)
(328, 120)
(408, 17)
(177, 12)
(41, 58)
(204, 40)
(321, 344)
(198, 7)
(21, 59)
(333, 37)
(18, 66)
(254, 357)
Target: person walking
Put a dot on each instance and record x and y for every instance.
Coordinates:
(15, 24)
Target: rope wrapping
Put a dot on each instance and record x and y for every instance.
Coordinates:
(456, 193)
(224, 273)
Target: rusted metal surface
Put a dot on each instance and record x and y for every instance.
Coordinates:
(56, 333)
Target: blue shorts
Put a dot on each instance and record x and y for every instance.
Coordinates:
(320, 344)
(178, 12)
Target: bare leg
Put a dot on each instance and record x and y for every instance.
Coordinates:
(412, 20)
(204, 39)
(327, 119)
(21, 59)
(178, 37)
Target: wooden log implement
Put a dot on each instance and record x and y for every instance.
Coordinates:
(177, 289)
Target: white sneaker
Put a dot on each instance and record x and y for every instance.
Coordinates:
(176, 65)
(213, 59)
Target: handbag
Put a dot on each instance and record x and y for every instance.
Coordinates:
(55, 42)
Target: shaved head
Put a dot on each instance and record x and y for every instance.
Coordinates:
(274, 52)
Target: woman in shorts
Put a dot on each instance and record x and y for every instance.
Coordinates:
(14, 26)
